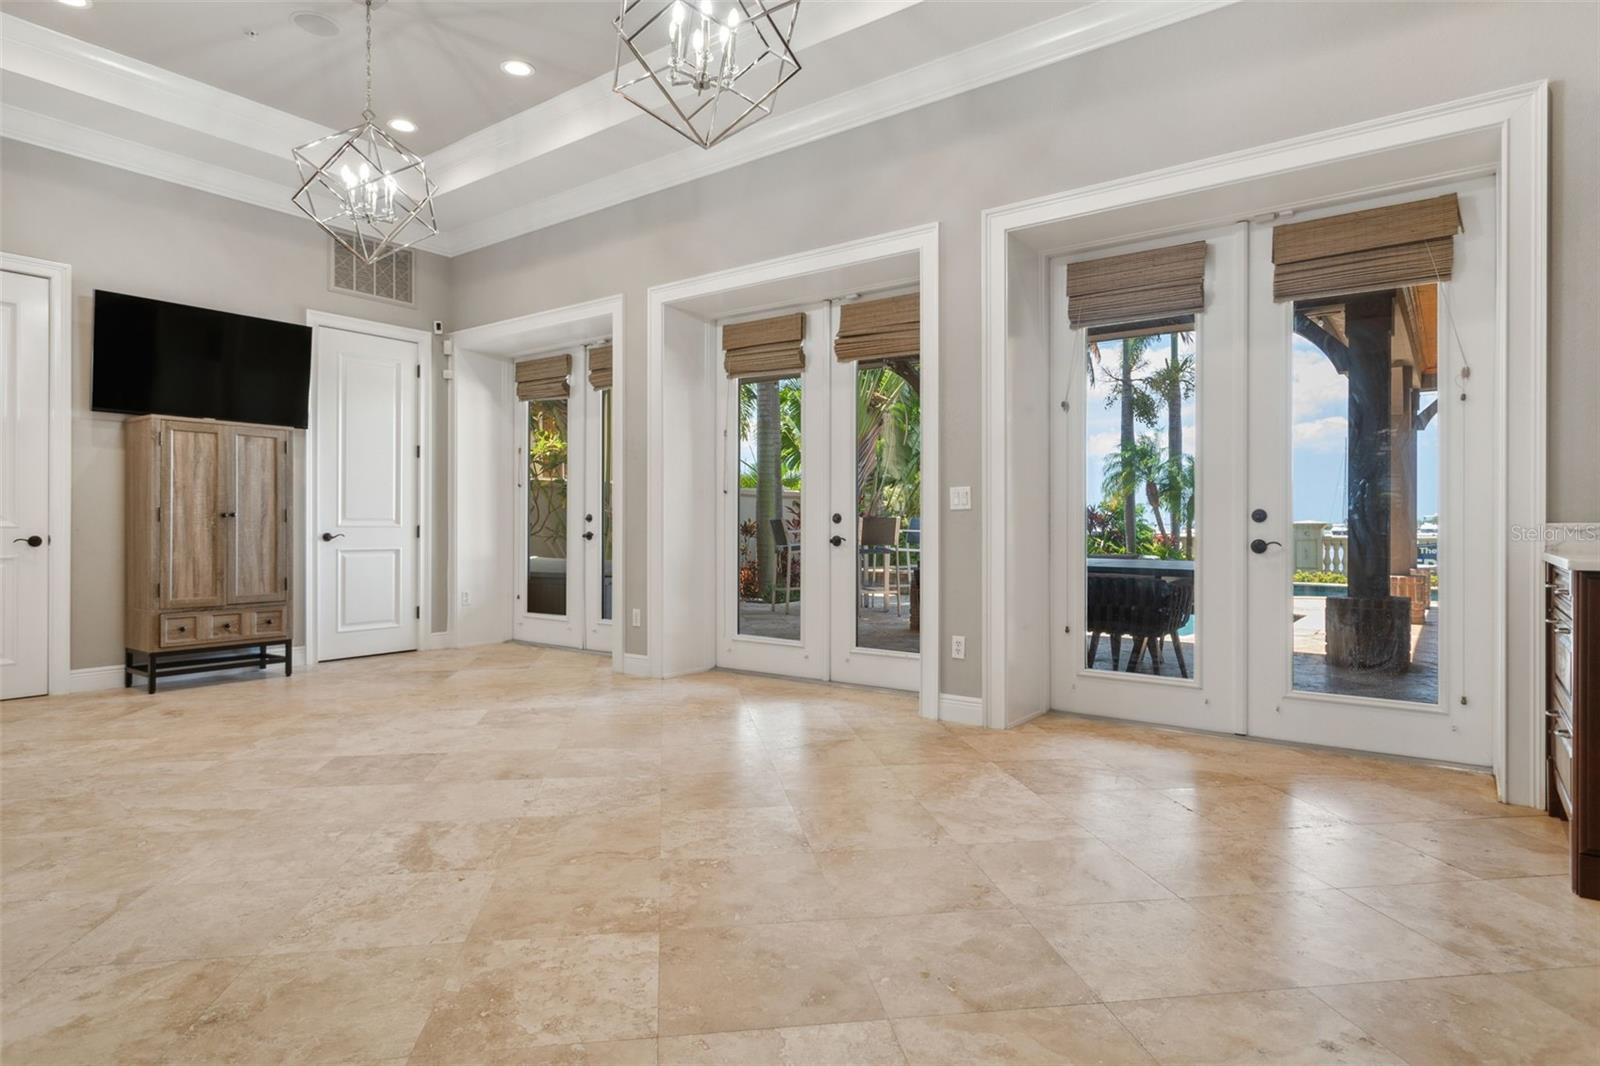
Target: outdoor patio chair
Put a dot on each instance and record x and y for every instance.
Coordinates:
(783, 555)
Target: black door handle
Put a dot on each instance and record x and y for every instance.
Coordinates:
(589, 535)
(32, 542)
(837, 518)
(836, 540)
(588, 518)
(332, 536)
(1260, 546)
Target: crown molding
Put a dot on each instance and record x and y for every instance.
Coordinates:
(45, 55)
(1086, 29)
(592, 108)
(57, 134)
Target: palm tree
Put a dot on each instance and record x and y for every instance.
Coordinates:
(1124, 472)
(1138, 405)
(1174, 382)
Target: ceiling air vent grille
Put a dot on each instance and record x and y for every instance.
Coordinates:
(390, 278)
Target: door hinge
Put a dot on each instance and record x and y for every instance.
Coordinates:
(286, 514)
(158, 590)
(419, 612)
(419, 370)
(158, 514)
(285, 447)
(419, 451)
(419, 532)
(286, 584)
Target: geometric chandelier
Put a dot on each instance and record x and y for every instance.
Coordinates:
(707, 69)
(370, 192)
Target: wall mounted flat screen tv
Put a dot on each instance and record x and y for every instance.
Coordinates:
(154, 357)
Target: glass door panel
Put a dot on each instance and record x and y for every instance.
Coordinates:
(1371, 585)
(888, 479)
(552, 590)
(769, 513)
(1147, 445)
(546, 528)
(597, 522)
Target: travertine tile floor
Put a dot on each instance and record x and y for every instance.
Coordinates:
(510, 855)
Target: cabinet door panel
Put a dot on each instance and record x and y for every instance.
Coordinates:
(192, 505)
(258, 532)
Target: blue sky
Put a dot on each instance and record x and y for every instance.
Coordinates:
(1320, 408)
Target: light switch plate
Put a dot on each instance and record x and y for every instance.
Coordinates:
(960, 497)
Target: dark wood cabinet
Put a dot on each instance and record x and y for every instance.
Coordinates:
(1572, 711)
(207, 545)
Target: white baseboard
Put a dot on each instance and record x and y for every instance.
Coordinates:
(638, 665)
(97, 678)
(961, 710)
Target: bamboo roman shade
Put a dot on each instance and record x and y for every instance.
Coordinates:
(543, 379)
(1158, 283)
(765, 348)
(600, 366)
(1383, 248)
(890, 328)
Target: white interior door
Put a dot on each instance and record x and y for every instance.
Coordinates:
(774, 468)
(1182, 581)
(598, 532)
(24, 484)
(1374, 428)
(874, 528)
(550, 604)
(365, 515)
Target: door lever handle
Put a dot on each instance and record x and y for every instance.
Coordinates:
(32, 542)
(836, 540)
(1260, 546)
(332, 536)
(589, 535)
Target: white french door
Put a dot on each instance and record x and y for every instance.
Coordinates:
(1184, 380)
(563, 518)
(1374, 429)
(817, 526)
(24, 484)
(1310, 488)
(365, 510)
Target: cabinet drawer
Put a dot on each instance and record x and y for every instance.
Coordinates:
(1561, 762)
(179, 629)
(226, 625)
(1561, 659)
(267, 623)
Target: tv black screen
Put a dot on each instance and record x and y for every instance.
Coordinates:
(154, 357)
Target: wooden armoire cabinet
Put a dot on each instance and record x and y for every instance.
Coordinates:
(208, 548)
(1572, 713)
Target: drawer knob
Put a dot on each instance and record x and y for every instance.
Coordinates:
(183, 629)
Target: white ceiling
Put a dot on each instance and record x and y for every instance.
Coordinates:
(180, 91)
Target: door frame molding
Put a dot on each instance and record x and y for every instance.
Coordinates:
(1519, 117)
(424, 401)
(488, 340)
(697, 632)
(59, 523)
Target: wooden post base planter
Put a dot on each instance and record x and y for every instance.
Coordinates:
(172, 664)
(1369, 634)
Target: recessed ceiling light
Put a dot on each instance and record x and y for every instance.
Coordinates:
(402, 125)
(77, 3)
(318, 25)
(517, 68)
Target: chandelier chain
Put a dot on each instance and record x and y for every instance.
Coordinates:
(368, 111)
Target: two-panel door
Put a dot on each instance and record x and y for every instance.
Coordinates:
(224, 515)
(257, 529)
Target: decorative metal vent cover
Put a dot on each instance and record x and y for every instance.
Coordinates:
(390, 278)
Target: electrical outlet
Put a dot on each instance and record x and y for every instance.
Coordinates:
(636, 618)
(466, 599)
(958, 647)
(960, 497)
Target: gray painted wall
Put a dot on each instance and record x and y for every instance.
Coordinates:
(1241, 77)
(127, 233)
(1231, 80)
